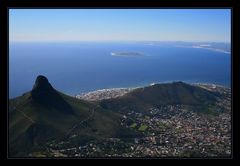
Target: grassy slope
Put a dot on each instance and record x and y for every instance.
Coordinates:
(25, 136)
(163, 94)
(50, 123)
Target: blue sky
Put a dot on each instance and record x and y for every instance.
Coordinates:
(120, 25)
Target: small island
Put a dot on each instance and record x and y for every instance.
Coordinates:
(128, 54)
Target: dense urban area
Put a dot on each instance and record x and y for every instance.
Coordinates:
(168, 131)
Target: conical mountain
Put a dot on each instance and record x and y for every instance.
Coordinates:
(44, 94)
(45, 114)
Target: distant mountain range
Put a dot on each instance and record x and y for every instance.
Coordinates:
(45, 114)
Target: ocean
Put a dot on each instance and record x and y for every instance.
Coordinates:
(80, 67)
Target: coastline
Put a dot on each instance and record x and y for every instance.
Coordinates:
(104, 94)
(109, 93)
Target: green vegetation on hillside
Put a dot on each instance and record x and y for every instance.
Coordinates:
(143, 127)
(34, 121)
(157, 95)
(45, 117)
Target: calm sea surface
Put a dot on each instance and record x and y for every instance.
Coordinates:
(75, 68)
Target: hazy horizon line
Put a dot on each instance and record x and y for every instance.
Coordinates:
(74, 41)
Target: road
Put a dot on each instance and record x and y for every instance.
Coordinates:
(81, 122)
(30, 119)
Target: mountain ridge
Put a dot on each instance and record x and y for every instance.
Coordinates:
(163, 94)
(56, 116)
